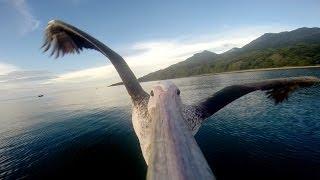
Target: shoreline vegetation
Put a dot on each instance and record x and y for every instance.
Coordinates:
(294, 49)
(240, 71)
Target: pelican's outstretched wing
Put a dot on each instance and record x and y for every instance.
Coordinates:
(276, 89)
(63, 38)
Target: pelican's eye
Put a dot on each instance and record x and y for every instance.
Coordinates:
(151, 93)
(178, 91)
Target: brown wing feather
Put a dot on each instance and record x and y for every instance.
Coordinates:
(279, 90)
(281, 94)
(63, 40)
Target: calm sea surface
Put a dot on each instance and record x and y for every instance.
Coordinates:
(87, 132)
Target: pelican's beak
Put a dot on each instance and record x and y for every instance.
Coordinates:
(165, 106)
(174, 151)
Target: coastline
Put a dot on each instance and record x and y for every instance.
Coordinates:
(239, 71)
(260, 69)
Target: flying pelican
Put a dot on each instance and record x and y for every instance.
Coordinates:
(164, 98)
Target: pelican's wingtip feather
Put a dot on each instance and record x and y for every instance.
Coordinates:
(63, 39)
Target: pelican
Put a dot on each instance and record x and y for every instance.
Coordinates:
(164, 100)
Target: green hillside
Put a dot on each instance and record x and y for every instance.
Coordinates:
(300, 47)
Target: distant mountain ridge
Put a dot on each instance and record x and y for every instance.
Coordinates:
(300, 47)
(276, 40)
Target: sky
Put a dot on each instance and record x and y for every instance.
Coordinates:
(149, 34)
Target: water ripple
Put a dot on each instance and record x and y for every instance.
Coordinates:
(88, 133)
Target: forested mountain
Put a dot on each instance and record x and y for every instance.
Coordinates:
(300, 47)
(282, 39)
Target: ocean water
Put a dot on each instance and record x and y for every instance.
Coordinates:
(87, 132)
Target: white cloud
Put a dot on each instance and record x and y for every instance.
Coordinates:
(7, 68)
(104, 72)
(23, 76)
(27, 21)
(155, 55)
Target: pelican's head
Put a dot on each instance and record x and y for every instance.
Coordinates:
(164, 98)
